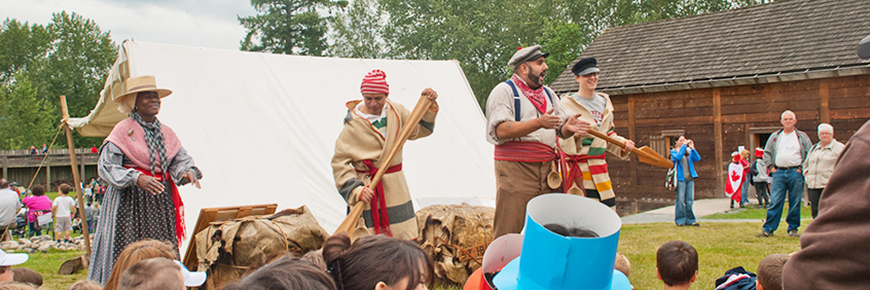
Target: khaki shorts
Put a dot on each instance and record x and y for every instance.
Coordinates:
(63, 224)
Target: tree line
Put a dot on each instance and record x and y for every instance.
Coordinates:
(71, 55)
(481, 34)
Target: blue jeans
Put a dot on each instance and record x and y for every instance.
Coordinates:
(784, 181)
(683, 214)
(744, 192)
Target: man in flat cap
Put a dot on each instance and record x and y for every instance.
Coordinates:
(524, 118)
(586, 153)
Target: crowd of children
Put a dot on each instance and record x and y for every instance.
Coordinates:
(381, 263)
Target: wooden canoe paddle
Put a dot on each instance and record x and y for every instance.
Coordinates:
(644, 154)
(352, 218)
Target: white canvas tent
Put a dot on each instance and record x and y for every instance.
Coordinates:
(262, 127)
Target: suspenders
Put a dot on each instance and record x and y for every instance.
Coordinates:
(517, 99)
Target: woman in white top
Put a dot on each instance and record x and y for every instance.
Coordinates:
(819, 164)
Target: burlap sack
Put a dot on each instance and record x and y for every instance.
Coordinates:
(456, 236)
(228, 249)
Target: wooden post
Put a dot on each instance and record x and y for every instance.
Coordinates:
(47, 173)
(82, 164)
(76, 178)
(632, 134)
(717, 134)
(824, 100)
(5, 166)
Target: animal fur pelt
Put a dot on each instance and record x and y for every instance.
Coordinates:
(455, 236)
(226, 250)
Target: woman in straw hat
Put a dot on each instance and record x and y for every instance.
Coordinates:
(143, 161)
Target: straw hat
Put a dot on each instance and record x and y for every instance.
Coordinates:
(135, 85)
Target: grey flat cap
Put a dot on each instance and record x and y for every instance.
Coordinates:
(526, 54)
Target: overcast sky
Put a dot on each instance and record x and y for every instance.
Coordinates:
(199, 23)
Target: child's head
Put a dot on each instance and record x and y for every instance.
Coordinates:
(286, 272)
(135, 252)
(374, 260)
(85, 285)
(12, 285)
(770, 272)
(152, 274)
(63, 189)
(676, 263)
(622, 264)
(25, 275)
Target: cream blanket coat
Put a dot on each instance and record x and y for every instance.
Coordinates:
(359, 141)
(595, 174)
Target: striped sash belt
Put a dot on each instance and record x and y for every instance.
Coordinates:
(519, 151)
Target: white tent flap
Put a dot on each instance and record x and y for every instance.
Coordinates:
(262, 127)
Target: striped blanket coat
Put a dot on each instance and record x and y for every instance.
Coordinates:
(595, 174)
(359, 141)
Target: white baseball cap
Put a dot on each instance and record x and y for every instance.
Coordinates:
(191, 279)
(12, 259)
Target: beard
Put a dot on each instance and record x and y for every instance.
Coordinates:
(536, 80)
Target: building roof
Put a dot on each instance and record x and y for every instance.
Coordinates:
(780, 41)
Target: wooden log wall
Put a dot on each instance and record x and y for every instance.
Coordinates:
(720, 119)
(20, 166)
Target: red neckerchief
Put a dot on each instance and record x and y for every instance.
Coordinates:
(536, 96)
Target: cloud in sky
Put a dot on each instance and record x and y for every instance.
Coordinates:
(198, 23)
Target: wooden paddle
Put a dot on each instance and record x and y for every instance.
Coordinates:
(644, 154)
(422, 105)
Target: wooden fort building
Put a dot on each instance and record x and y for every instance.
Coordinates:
(723, 79)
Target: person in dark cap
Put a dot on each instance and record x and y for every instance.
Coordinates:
(524, 118)
(586, 153)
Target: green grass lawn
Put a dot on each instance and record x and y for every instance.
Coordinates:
(756, 213)
(47, 264)
(720, 246)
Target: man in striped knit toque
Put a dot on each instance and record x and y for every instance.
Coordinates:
(371, 125)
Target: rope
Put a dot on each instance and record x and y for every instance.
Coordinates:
(45, 157)
(284, 235)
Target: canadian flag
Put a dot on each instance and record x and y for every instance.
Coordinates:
(734, 181)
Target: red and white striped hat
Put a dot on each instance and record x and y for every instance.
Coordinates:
(375, 82)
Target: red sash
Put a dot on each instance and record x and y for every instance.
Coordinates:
(570, 167)
(520, 151)
(180, 228)
(379, 203)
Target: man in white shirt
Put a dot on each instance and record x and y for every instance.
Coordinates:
(784, 153)
(9, 204)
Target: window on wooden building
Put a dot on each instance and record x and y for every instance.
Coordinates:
(663, 143)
